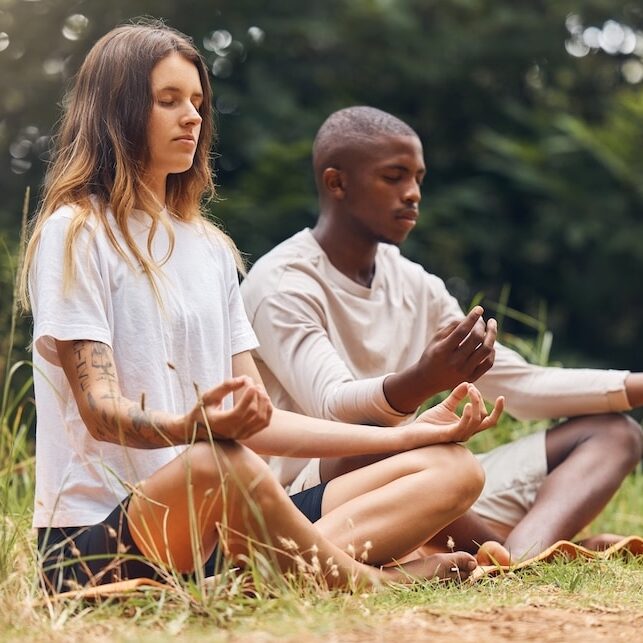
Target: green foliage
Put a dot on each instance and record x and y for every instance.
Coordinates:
(521, 137)
(535, 172)
(16, 467)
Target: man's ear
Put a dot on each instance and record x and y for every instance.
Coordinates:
(334, 182)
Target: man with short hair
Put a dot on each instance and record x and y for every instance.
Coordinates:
(350, 330)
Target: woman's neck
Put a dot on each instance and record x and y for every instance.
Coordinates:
(157, 185)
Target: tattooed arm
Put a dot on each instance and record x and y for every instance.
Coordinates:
(111, 417)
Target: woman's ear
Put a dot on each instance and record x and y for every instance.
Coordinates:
(334, 182)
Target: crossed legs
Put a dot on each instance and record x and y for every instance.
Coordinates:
(176, 516)
(588, 458)
(397, 504)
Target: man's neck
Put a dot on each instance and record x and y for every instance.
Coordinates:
(350, 253)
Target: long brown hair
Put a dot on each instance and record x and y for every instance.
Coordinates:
(101, 150)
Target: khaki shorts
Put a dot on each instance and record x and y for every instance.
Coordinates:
(514, 473)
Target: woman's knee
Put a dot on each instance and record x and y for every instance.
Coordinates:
(464, 477)
(225, 462)
(470, 471)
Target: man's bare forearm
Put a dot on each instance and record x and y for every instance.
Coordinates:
(108, 415)
(407, 390)
(634, 389)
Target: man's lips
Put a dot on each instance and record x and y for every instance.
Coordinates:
(409, 214)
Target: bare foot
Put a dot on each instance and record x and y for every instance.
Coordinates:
(453, 566)
(493, 553)
(600, 542)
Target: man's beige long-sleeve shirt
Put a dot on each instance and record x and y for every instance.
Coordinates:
(328, 343)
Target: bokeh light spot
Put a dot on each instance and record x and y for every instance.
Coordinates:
(53, 66)
(222, 68)
(573, 23)
(591, 37)
(576, 47)
(256, 34)
(226, 104)
(20, 149)
(218, 41)
(20, 166)
(632, 71)
(629, 42)
(75, 26)
(611, 37)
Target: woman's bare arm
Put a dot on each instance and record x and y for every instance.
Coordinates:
(291, 434)
(111, 417)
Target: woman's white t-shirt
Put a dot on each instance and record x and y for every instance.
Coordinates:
(160, 351)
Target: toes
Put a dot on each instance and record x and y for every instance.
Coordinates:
(493, 553)
(460, 565)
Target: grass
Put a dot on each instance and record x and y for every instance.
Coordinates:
(556, 591)
(559, 592)
(559, 595)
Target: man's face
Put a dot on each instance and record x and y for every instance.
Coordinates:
(382, 188)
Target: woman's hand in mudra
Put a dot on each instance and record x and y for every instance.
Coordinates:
(474, 417)
(250, 413)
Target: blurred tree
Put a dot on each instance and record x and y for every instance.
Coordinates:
(530, 112)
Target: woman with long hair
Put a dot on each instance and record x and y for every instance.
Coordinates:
(150, 410)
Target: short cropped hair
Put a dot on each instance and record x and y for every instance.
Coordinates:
(352, 127)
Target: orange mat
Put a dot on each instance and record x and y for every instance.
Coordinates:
(565, 549)
(112, 590)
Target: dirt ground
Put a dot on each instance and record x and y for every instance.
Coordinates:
(527, 623)
(522, 623)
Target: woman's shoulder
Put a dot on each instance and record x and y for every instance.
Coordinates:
(64, 215)
(66, 220)
(216, 238)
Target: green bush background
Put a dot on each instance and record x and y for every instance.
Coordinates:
(534, 154)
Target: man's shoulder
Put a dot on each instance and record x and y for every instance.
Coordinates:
(394, 264)
(288, 266)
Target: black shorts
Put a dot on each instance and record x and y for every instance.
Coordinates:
(309, 502)
(106, 552)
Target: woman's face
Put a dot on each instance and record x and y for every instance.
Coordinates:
(175, 123)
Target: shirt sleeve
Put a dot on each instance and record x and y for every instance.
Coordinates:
(80, 311)
(547, 392)
(541, 392)
(295, 346)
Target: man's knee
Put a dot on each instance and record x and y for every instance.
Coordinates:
(626, 436)
(617, 436)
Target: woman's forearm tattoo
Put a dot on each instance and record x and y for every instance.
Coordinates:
(128, 423)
